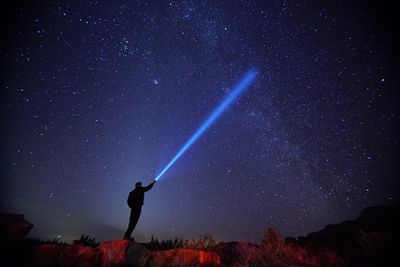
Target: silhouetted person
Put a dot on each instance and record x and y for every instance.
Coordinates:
(135, 202)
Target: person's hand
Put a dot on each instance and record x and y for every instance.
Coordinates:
(154, 181)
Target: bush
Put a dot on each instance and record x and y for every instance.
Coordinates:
(86, 241)
(274, 251)
(155, 244)
(205, 242)
(250, 254)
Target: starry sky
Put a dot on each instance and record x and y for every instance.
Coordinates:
(99, 95)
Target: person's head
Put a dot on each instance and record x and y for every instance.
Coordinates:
(138, 184)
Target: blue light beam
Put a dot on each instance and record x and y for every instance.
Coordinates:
(243, 84)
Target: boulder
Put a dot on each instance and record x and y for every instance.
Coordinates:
(47, 255)
(184, 257)
(137, 254)
(113, 253)
(79, 256)
(63, 255)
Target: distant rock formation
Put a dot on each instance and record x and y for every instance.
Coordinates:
(370, 240)
(13, 228)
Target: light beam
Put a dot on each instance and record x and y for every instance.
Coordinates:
(240, 87)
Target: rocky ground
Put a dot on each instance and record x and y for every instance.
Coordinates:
(370, 240)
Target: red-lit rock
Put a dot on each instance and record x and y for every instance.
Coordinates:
(113, 253)
(47, 255)
(79, 256)
(184, 257)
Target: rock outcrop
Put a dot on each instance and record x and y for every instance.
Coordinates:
(137, 255)
(370, 240)
(119, 253)
(13, 228)
(184, 257)
(113, 253)
(52, 255)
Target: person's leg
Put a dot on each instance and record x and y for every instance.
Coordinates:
(133, 220)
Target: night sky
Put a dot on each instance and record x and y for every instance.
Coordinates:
(98, 96)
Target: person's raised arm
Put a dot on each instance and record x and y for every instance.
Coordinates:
(147, 188)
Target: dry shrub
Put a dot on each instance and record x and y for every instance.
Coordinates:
(274, 251)
(205, 242)
(250, 254)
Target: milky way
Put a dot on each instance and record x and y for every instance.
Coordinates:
(98, 96)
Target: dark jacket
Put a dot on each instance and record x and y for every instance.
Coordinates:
(136, 196)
